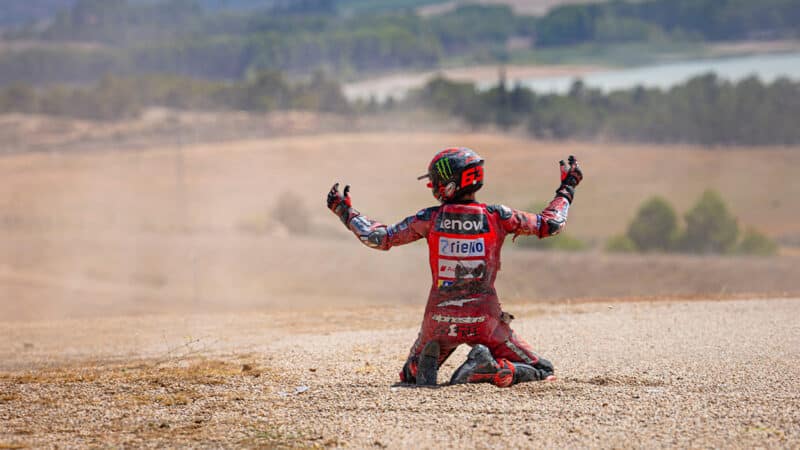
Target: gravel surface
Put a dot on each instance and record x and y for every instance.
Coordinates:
(661, 374)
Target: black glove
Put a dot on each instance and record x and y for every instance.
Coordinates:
(571, 176)
(340, 204)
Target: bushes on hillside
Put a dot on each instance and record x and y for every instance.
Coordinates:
(756, 243)
(713, 20)
(655, 226)
(710, 229)
(117, 98)
(706, 110)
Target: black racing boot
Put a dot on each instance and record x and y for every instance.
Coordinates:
(481, 367)
(428, 366)
(542, 371)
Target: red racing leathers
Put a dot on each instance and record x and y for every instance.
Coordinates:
(464, 241)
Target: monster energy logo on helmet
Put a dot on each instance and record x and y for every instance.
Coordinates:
(454, 172)
(443, 166)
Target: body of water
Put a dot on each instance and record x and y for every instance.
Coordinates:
(766, 67)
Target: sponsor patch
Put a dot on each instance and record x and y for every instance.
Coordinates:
(445, 283)
(461, 247)
(461, 270)
(459, 302)
(453, 330)
(462, 223)
(451, 319)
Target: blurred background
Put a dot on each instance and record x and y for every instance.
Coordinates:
(174, 155)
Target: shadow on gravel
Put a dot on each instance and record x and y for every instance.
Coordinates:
(604, 380)
(414, 386)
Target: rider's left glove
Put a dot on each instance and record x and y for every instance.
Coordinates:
(340, 204)
(571, 176)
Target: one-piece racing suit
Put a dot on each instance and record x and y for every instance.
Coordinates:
(464, 242)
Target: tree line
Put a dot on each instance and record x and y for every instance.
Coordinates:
(713, 20)
(115, 98)
(704, 110)
(180, 37)
(197, 38)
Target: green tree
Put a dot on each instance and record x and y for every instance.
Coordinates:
(710, 227)
(655, 226)
(756, 243)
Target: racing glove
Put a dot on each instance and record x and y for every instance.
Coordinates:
(571, 176)
(340, 204)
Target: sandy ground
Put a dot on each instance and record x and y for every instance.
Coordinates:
(666, 374)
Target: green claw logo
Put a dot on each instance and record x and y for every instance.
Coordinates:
(443, 166)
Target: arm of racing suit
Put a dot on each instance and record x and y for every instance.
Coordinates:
(549, 222)
(376, 235)
(552, 219)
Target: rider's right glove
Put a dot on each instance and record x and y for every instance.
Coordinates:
(571, 176)
(340, 204)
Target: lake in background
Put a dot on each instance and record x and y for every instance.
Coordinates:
(767, 67)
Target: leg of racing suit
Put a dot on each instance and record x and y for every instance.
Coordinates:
(505, 344)
(505, 360)
(409, 372)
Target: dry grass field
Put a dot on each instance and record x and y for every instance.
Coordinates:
(195, 227)
(146, 230)
(152, 297)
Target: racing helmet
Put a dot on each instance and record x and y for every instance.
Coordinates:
(453, 173)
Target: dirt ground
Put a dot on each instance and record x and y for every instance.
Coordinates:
(664, 374)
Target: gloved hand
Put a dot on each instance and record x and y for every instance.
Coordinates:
(340, 204)
(571, 176)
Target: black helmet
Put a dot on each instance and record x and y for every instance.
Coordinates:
(454, 172)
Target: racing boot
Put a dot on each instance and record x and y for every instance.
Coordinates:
(541, 371)
(481, 367)
(428, 366)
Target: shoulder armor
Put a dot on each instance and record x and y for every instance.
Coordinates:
(503, 210)
(427, 213)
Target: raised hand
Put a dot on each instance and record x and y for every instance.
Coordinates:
(571, 174)
(335, 199)
(340, 204)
